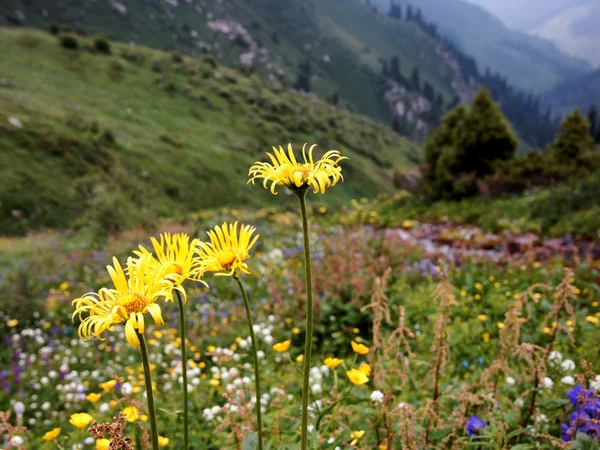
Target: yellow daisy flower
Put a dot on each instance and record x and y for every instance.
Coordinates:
(286, 171)
(128, 302)
(282, 347)
(108, 386)
(226, 252)
(163, 441)
(332, 363)
(360, 348)
(365, 368)
(356, 436)
(102, 444)
(80, 420)
(174, 259)
(51, 435)
(131, 414)
(93, 397)
(357, 377)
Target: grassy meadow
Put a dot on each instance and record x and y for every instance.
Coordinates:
(418, 343)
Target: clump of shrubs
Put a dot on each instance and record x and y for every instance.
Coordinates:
(102, 45)
(69, 41)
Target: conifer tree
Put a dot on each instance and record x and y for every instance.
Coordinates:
(573, 138)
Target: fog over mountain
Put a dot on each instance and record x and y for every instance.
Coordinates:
(571, 24)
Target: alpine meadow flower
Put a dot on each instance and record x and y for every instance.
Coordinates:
(225, 255)
(357, 377)
(131, 414)
(93, 397)
(332, 363)
(132, 297)
(356, 436)
(282, 347)
(176, 261)
(360, 348)
(227, 251)
(285, 170)
(474, 426)
(80, 420)
(51, 435)
(174, 258)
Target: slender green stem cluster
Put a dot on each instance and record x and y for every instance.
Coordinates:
(182, 335)
(149, 391)
(255, 356)
(309, 321)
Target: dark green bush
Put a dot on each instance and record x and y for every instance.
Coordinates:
(102, 45)
(69, 42)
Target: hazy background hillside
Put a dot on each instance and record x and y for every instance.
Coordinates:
(527, 62)
(571, 24)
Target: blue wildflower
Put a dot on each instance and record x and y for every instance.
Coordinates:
(474, 425)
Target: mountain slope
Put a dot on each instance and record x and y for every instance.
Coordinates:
(528, 62)
(579, 93)
(575, 30)
(115, 140)
(337, 45)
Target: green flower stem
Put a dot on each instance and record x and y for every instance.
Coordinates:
(255, 355)
(149, 393)
(186, 440)
(309, 320)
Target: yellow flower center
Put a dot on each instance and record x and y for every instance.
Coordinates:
(227, 258)
(133, 303)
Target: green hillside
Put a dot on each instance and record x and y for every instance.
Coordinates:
(118, 139)
(345, 42)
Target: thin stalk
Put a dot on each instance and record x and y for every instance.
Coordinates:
(255, 356)
(309, 320)
(149, 392)
(183, 371)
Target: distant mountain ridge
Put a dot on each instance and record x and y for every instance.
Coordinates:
(527, 62)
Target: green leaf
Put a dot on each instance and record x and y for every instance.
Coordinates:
(556, 403)
(251, 442)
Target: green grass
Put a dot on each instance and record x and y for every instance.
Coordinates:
(185, 133)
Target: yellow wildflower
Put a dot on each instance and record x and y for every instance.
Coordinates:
(93, 397)
(132, 297)
(174, 258)
(300, 358)
(592, 319)
(12, 323)
(80, 420)
(332, 363)
(360, 348)
(214, 383)
(296, 330)
(163, 441)
(486, 337)
(482, 317)
(356, 436)
(51, 435)
(500, 325)
(286, 171)
(102, 444)
(365, 368)
(282, 346)
(226, 252)
(357, 377)
(131, 414)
